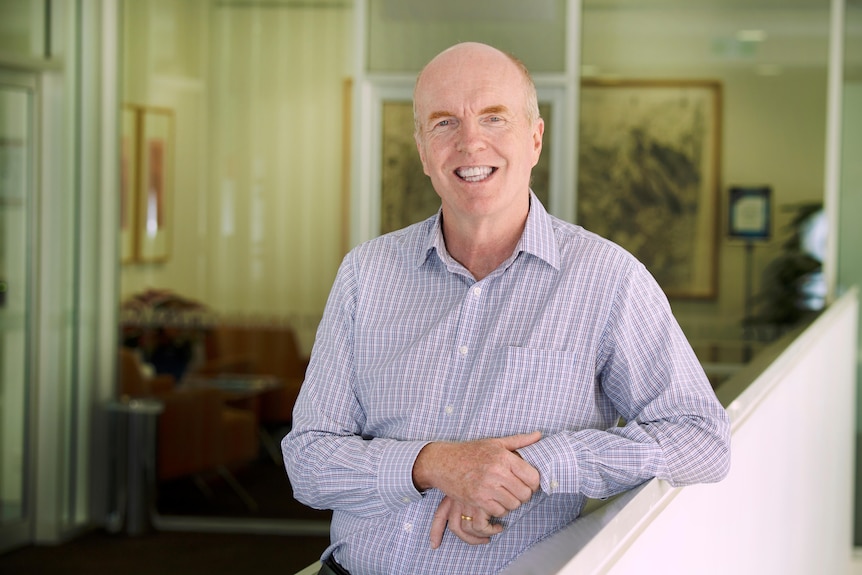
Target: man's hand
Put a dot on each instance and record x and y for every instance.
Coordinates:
(484, 475)
(470, 525)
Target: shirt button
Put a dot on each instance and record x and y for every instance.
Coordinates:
(449, 409)
(408, 527)
(477, 291)
(405, 499)
(463, 350)
(554, 484)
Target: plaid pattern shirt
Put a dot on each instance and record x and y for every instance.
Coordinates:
(571, 336)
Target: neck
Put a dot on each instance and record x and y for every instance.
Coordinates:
(481, 246)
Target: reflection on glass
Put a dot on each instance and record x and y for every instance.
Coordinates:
(14, 311)
(770, 64)
(242, 172)
(849, 262)
(22, 29)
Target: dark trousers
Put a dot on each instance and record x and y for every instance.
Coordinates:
(331, 567)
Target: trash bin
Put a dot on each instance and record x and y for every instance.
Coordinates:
(133, 424)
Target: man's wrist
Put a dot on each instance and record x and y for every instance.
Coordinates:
(423, 467)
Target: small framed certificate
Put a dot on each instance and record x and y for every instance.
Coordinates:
(749, 217)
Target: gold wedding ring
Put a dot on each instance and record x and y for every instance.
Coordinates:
(466, 518)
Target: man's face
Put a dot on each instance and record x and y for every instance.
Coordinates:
(475, 139)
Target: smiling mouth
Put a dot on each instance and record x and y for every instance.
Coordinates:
(474, 174)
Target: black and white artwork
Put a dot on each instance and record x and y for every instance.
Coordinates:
(648, 176)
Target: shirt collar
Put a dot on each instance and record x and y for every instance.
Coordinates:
(538, 238)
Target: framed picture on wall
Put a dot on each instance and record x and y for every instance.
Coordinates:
(128, 181)
(749, 212)
(155, 184)
(649, 175)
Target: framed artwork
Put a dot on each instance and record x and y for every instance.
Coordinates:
(155, 179)
(128, 181)
(648, 176)
(407, 195)
(749, 213)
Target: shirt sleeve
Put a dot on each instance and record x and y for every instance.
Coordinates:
(329, 463)
(673, 427)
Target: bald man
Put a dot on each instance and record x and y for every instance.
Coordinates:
(469, 377)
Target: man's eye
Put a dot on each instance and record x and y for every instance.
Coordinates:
(443, 123)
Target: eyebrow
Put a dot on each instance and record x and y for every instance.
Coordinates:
(494, 109)
(437, 115)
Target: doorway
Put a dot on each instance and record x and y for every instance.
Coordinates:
(18, 93)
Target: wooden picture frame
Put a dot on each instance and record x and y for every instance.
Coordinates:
(155, 188)
(648, 176)
(129, 157)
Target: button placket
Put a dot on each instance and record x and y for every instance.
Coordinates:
(466, 335)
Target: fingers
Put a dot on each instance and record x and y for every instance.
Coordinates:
(486, 474)
(523, 471)
(438, 523)
(468, 530)
(513, 442)
(480, 526)
(470, 525)
(502, 485)
(505, 499)
(528, 475)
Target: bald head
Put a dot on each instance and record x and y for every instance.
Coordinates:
(477, 55)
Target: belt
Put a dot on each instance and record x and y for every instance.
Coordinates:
(331, 567)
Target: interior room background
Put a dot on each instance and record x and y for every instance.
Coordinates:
(254, 104)
(259, 93)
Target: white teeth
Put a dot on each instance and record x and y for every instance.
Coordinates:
(474, 173)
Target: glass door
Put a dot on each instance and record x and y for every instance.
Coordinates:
(17, 94)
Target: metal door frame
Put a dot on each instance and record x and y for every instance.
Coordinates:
(20, 532)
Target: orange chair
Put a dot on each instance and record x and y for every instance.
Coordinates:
(197, 433)
(267, 349)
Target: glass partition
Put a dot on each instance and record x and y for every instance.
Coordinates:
(233, 225)
(402, 35)
(22, 29)
(16, 207)
(235, 161)
(691, 100)
(849, 262)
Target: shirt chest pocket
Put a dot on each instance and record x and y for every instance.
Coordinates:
(529, 389)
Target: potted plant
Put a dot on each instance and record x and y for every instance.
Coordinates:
(792, 286)
(165, 328)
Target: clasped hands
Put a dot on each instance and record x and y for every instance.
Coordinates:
(482, 480)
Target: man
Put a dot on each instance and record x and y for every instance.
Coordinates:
(468, 379)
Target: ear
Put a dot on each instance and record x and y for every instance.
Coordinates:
(538, 133)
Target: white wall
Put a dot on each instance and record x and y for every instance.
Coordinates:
(786, 506)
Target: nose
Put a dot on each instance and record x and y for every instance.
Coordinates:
(471, 139)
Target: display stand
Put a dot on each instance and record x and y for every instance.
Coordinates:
(749, 219)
